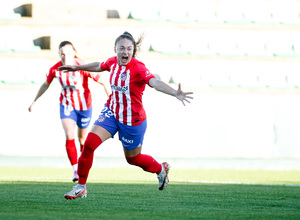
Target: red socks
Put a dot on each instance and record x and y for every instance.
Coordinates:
(71, 151)
(145, 162)
(86, 159)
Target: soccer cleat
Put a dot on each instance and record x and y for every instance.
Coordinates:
(76, 192)
(75, 177)
(163, 178)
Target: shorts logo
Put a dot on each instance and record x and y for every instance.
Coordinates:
(105, 113)
(67, 113)
(67, 110)
(127, 141)
(85, 119)
(101, 118)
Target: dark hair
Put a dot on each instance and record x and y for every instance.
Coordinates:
(136, 44)
(64, 43)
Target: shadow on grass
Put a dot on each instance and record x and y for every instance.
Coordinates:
(45, 200)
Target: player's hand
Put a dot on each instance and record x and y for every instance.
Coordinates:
(183, 96)
(31, 107)
(68, 68)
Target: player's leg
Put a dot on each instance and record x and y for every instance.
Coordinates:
(68, 119)
(95, 137)
(104, 128)
(83, 121)
(82, 134)
(132, 139)
(69, 126)
(149, 164)
(144, 161)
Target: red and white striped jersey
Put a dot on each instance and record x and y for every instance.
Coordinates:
(75, 93)
(127, 84)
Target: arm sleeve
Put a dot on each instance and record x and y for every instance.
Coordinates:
(104, 66)
(93, 75)
(145, 74)
(108, 63)
(50, 76)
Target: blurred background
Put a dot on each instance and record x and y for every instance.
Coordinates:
(241, 58)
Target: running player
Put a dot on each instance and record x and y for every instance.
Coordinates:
(123, 112)
(75, 99)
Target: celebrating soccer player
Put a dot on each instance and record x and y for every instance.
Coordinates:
(123, 112)
(75, 99)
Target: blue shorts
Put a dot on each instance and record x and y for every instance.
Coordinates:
(82, 118)
(130, 136)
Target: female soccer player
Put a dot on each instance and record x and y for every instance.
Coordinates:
(123, 112)
(75, 99)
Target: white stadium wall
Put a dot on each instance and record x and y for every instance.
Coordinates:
(214, 125)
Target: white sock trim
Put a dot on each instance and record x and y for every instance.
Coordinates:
(81, 186)
(75, 167)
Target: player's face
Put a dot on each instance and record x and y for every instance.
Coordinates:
(124, 50)
(67, 55)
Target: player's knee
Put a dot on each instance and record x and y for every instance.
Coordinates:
(92, 142)
(69, 135)
(134, 160)
(81, 141)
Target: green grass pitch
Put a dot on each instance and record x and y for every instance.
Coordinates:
(130, 193)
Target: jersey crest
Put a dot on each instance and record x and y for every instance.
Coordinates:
(123, 76)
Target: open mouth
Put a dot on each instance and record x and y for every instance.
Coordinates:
(124, 59)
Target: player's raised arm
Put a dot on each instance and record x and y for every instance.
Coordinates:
(165, 88)
(90, 67)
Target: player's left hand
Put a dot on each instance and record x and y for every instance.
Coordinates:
(71, 68)
(183, 96)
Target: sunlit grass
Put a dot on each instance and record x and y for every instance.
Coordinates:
(37, 193)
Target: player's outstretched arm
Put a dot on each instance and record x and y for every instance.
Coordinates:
(90, 67)
(41, 91)
(165, 88)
